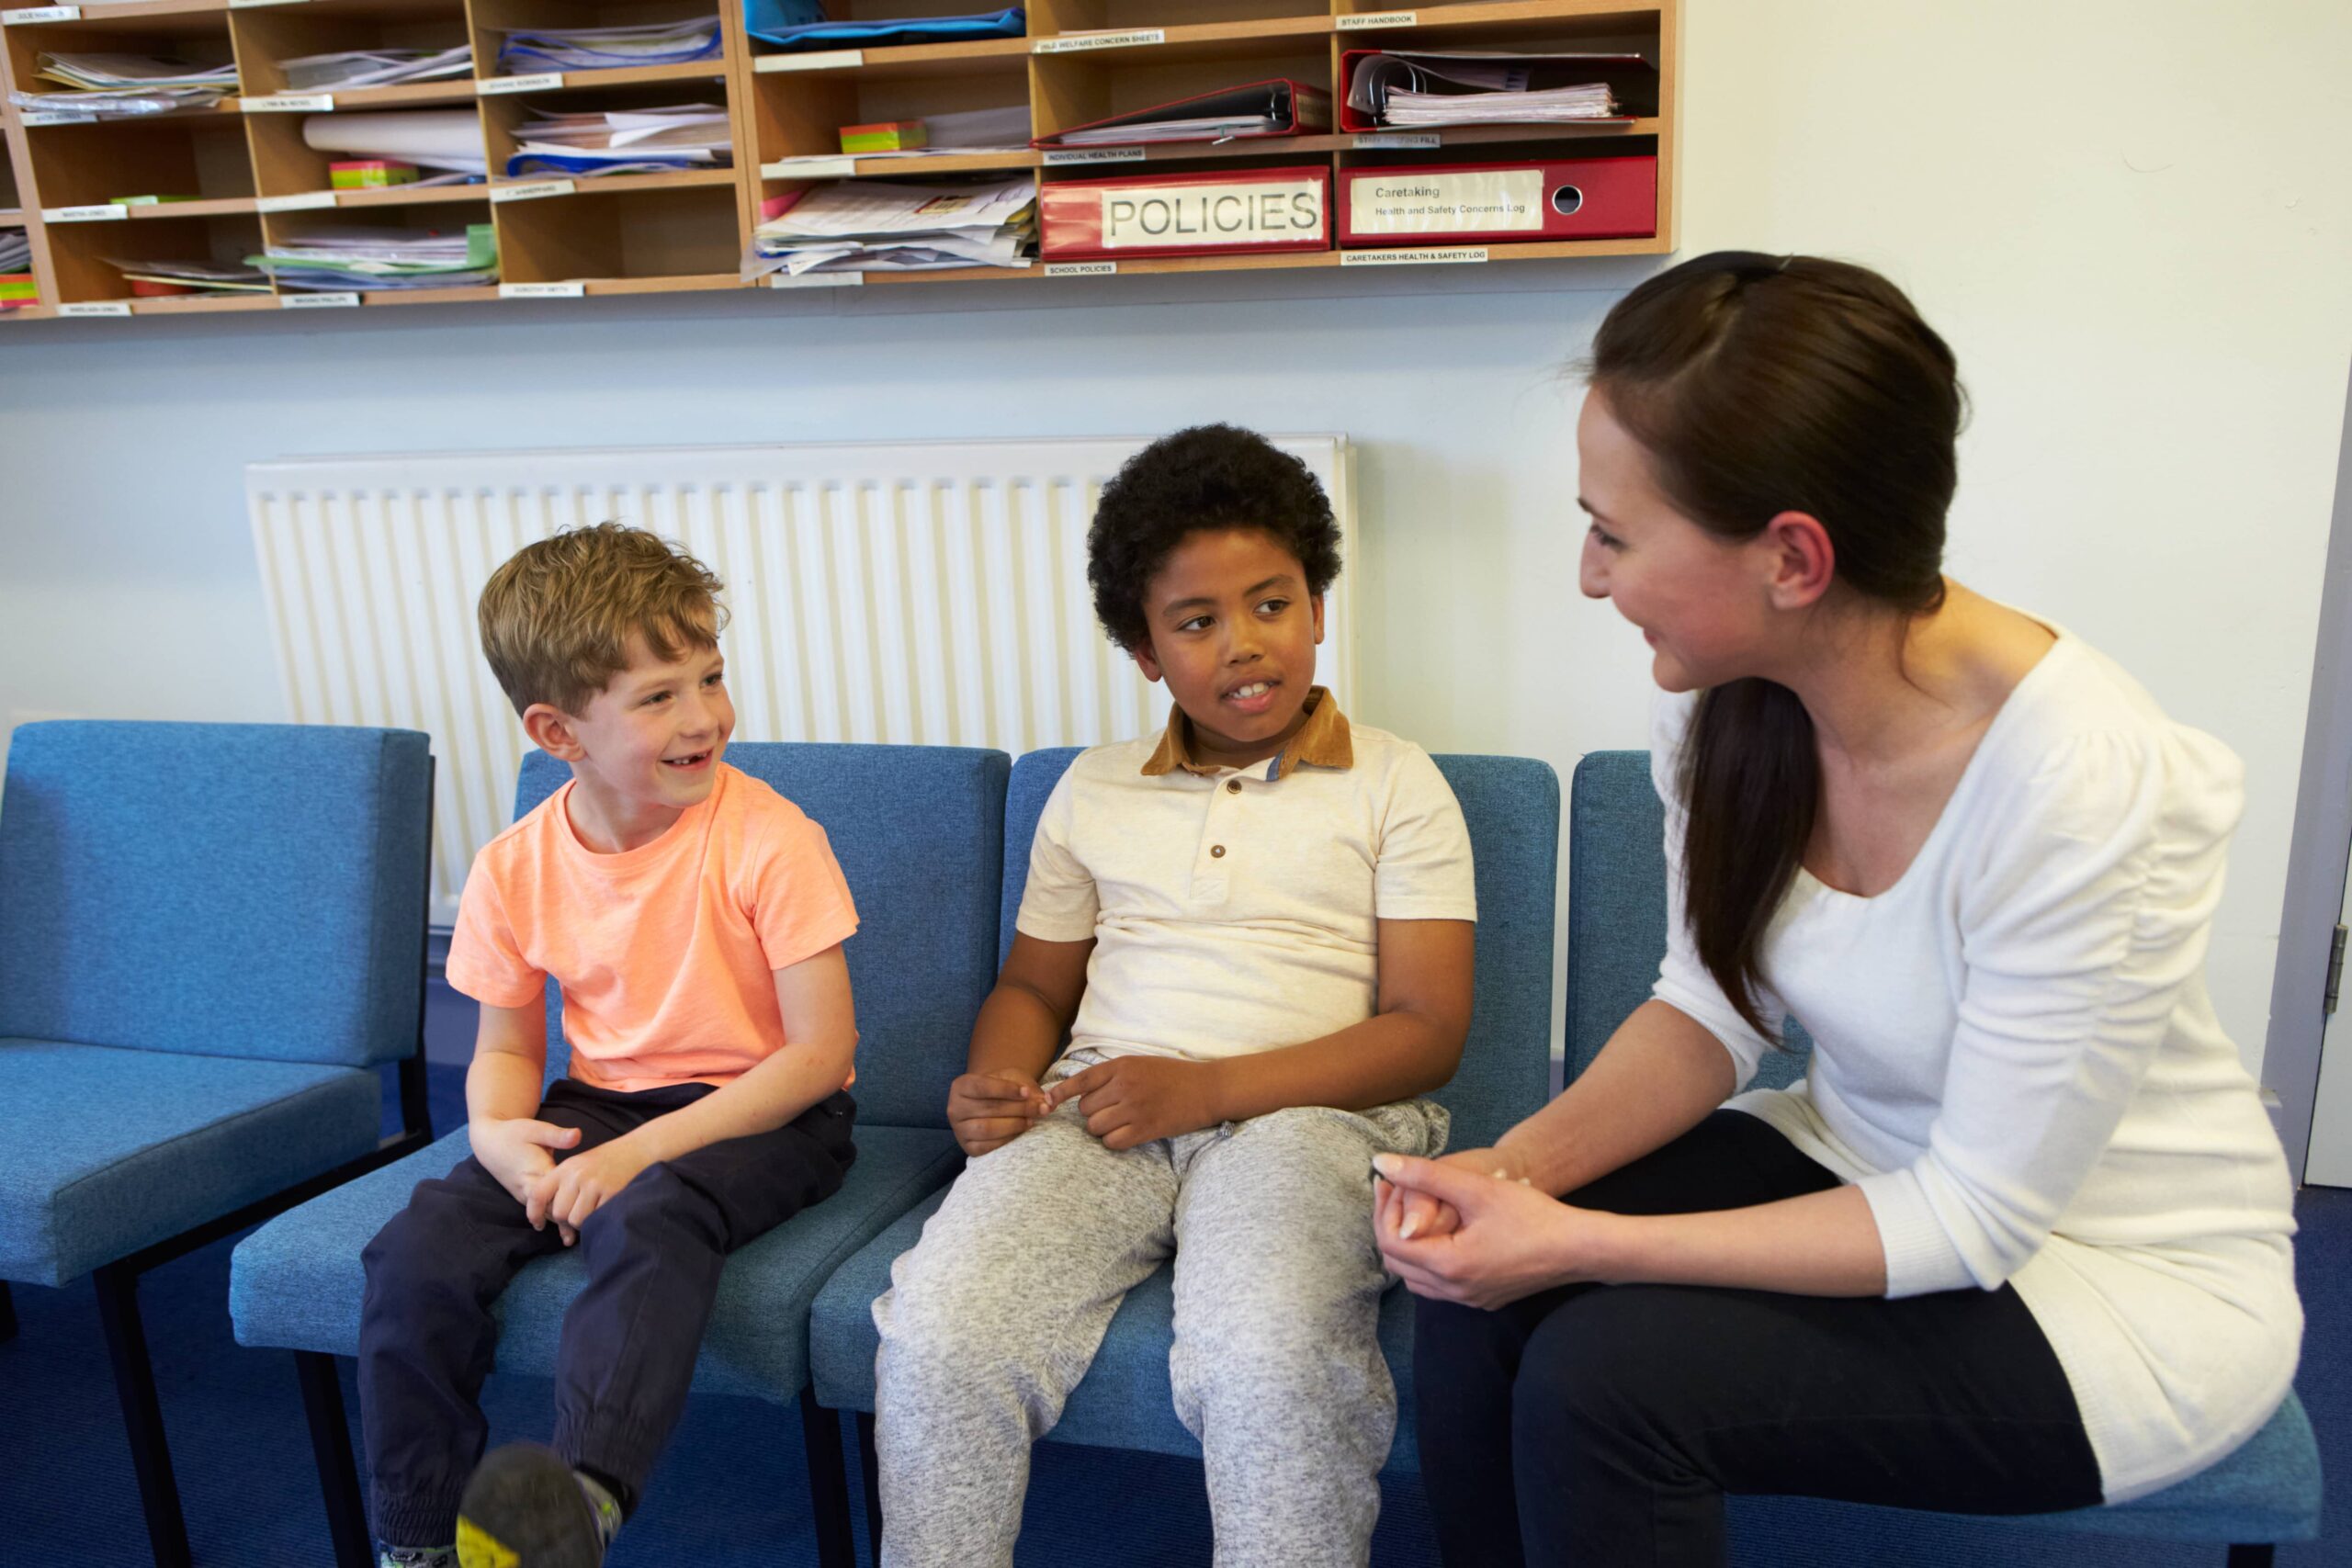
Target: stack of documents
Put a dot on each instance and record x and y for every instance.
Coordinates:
(1442, 89)
(430, 139)
(349, 259)
(16, 269)
(529, 51)
(190, 277)
(1260, 108)
(127, 85)
(376, 67)
(802, 24)
(623, 141)
(876, 226)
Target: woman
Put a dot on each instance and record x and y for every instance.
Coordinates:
(2020, 1241)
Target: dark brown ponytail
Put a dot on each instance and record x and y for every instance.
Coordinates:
(1760, 385)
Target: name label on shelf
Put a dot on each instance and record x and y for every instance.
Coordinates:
(42, 14)
(104, 212)
(545, 82)
(318, 301)
(538, 190)
(289, 103)
(1379, 139)
(1081, 269)
(819, 60)
(97, 308)
(245, 4)
(816, 280)
(542, 291)
(1359, 23)
(308, 201)
(1432, 257)
(1070, 44)
(809, 168)
(53, 117)
(1055, 157)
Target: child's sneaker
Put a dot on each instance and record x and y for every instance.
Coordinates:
(416, 1557)
(525, 1508)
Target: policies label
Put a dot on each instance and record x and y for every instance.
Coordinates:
(1081, 269)
(1071, 43)
(1261, 212)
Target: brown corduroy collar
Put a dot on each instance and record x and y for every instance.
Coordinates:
(1321, 743)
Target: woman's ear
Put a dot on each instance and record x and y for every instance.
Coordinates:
(1800, 558)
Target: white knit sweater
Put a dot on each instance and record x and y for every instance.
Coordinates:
(2017, 1062)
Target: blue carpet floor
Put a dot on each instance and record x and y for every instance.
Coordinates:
(732, 1492)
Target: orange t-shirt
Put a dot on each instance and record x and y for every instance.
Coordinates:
(666, 953)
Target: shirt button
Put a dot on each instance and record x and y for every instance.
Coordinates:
(1233, 787)
(1216, 851)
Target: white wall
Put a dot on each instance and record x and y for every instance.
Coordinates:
(2131, 220)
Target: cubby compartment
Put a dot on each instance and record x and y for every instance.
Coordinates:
(800, 113)
(494, 20)
(629, 236)
(1050, 18)
(84, 256)
(177, 157)
(269, 36)
(1073, 90)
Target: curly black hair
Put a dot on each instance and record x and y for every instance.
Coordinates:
(1211, 476)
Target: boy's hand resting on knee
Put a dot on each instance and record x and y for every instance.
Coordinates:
(1134, 1099)
(576, 1189)
(989, 1110)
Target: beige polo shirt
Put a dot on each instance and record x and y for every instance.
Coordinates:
(1236, 910)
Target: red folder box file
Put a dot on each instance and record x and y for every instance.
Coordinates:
(1187, 215)
(1584, 198)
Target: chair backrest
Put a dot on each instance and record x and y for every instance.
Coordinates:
(249, 890)
(1511, 805)
(1617, 909)
(920, 834)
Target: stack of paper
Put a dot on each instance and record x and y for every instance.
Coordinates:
(623, 141)
(127, 84)
(430, 139)
(802, 24)
(345, 259)
(16, 269)
(877, 226)
(1500, 89)
(192, 277)
(529, 50)
(376, 67)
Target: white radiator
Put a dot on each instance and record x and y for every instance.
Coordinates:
(926, 592)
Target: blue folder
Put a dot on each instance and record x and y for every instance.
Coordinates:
(800, 24)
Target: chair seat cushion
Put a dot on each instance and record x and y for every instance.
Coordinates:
(110, 1150)
(1125, 1401)
(296, 1283)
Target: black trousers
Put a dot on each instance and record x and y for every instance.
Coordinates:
(1602, 1426)
(626, 1356)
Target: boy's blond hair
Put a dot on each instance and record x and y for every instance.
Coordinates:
(557, 618)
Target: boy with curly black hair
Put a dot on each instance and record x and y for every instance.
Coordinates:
(1255, 929)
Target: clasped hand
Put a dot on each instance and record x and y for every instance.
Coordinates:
(517, 1152)
(1127, 1101)
(1466, 1228)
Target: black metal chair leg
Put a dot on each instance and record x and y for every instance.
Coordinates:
(331, 1447)
(871, 1464)
(142, 1417)
(820, 1431)
(2254, 1556)
(8, 1313)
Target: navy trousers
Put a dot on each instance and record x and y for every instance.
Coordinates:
(1603, 1425)
(653, 1254)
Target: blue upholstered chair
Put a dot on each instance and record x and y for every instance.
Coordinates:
(2267, 1492)
(210, 938)
(919, 833)
(1512, 806)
